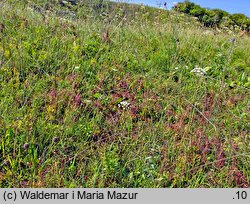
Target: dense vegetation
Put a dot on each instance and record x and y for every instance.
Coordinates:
(215, 17)
(101, 94)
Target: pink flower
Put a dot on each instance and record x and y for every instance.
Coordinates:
(239, 179)
(77, 100)
(52, 93)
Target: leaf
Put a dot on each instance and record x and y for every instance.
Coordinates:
(97, 95)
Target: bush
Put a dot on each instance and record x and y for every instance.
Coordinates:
(240, 20)
(214, 17)
(198, 12)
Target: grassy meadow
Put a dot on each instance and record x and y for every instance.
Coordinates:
(118, 95)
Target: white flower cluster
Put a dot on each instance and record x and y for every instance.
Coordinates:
(199, 71)
(124, 105)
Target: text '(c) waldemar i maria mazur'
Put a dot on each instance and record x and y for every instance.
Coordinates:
(77, 195)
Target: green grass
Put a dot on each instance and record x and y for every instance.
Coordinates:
(63, 79)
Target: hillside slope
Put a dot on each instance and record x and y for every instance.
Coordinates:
(117, 95)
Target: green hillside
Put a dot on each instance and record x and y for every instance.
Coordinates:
(101, 94)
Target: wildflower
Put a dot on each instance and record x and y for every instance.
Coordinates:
(52, 93)
(77, 100)
(220, 157)
(199, 71)
(165, 5)
(123, 84)
(239, 178)
(55, 139)
(26, 146)
(134, 110)
(77, 67)
(124, 105)
(6, 163)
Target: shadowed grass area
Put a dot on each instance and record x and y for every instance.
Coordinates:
(107, 95)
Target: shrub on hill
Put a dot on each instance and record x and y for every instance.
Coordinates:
(214, 17)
